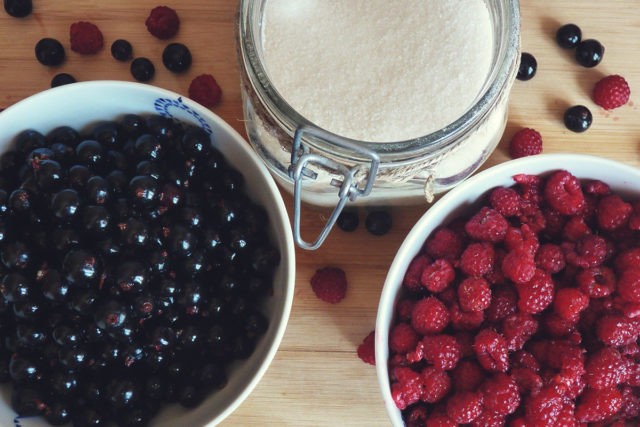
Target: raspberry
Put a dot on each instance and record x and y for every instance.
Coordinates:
(488, 419)
(464, 406)
(403, 338)
(417, 416)
(628, 286)
(613, 212)
(611, 92)
(329, 284)
(575, 228)
(436, 384)
(524, 359)
(556, 326)
(634, 218)
(404, 309)
(569, 303)
(465, 320)
(566, 417)
(531, 188)
(487, 225)
(491, 350)
(505, 200)
(517, 329)
(366, 349)
(537, 294)
(606, 368)
(429, 316)
(630, 404)
(477, 259)
(444, 243)
(519, 266)
(442, 351)
(598, 405)
(503, 303)
(440, 419)
(163, 22)
(407, 388)
(437, 276)
(86, 38)
(521, 238)
(500, 394)
(616, 330)
(596, 282)
(588, 251)
(495, 276)
(467, 375)
(525, 142)
(627, 258)
(411, 279)
(550, 258)
(205, 90)
(544, 407)
(563, 192)
(528, 381)
(474, 294)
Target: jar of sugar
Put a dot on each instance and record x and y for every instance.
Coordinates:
(375, 101)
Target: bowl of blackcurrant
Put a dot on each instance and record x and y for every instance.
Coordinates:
(146, 260)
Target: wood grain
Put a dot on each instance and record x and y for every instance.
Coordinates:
(316, 378)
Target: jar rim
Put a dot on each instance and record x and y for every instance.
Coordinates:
(501, 75)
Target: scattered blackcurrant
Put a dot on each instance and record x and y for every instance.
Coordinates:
(176, 57)
(528, 67)
(18, 8)
(589, 53)
(142, 69)
(578, 118)
(568, 36)
(121, 50)
(378, 222)
(49, 52)
(62, 79)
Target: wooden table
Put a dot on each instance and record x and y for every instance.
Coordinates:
(316, 378)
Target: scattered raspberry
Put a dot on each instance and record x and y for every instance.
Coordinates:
(444, 243)
(537, 294)
(505, 200)
(606, 368)
(436, 384)
(597, 282)
(628, 285)
(205, 90)
(329, 284)
(477, 259)
(525, 142)
(569, 303)
(86, 38)
(474, 294)
(501, 394)
(163, 22)
(437, 276)
(487, 225)
(598, 405)
(491, 351)
(403, 338)
(442, 351)
(429, 316)
(550, 258)
(563, 193)
(611, 92)
(412, 277)
(366, 349)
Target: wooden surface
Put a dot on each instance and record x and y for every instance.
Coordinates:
(316, 378)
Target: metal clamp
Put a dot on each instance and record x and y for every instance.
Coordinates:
(348, 187)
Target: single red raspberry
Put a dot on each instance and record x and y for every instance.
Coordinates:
(569, 303)
(524, 359)
(477, 259)
(464, 406)
(628, 286)
(530, 188)
(474, 294)
(606, 368)
(440, 419)
(329, 284)
(596, 282)
(521, 238)
(366, 350)
(500, 394)
(596, 187)
(627, 258)
(487, 225)
(634, 218)
(630, 404)
(616, 330)
(467, 375)
(495, 276)
(588, 251)
(491, 350)
(517, 329)
(503, 303)
(85, 37)
(550, 258)
(437, 276)
(442, 351)
(613, 212)
(488, 419)
(544, 407)
(575, 228)
(417, 416)
(403, 338)
(537, 294)
(407, 388)
(525, 142)
(411, 279)
(563, 192)
(429, 316)
(404, 309)
(554, 221)
(598, 405)
(163, 22)
(611, 92)
(444, 243)
(519, 266)
(205, 90)
(505, 200)
(528, 381)
(557, 326)
(437, 384)
(465, 320)
(567, 417)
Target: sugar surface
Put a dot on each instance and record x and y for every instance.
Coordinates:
(378, 70)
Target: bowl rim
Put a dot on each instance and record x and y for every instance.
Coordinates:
(447, 205)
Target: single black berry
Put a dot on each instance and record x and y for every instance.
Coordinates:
(49, 52)
(528, 67)
(578, 118)
(62, 79)
(378, 222)
(589, 53)
(568, 36)
(348, 220)
(142, 69)
(18, 8)
(176, 57)
(121, 50)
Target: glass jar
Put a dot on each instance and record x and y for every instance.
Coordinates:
(322, 168)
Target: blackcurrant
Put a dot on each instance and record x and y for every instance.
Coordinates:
(378, 222)
(121, 50)
(589, 53)
(18, 8)
(49, 52)
(62, 79)
(568, 36)
(142, 69)
(578, 118)
(528, 67)
(176, 57)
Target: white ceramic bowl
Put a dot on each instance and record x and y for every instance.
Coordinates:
(622, 178)
(78, 105)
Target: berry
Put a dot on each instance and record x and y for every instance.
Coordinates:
(544, 407)
(366, 349)
(378, 222)
(550, 258)
(443, 351)
(598, 405)
(578, 118)
(528, 67)
(589, 53)
(616, 330)
(444, 243)
(501, 394)
(569, 303)
(142, 69)
(611, 92)
(163, 22)
(487, 225)
(407, 388)
(464, 407)
(491, 350)
(86, 38)
(505, 201)
(474, 294)
(568, 36)
(329, 284)
(176, 57)
(429, 316)
(526, 142)
(205, 90)
(628, 286)
(537, 294)
(436, 384)
(61, 79)
(121, 50)
(518, 266)
(605, 369)
(518, 328)
(563, 193)
(403, 338)
(49, 52)
(348, 220)
(18, 8)
(437, 276)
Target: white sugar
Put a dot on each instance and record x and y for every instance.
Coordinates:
(378, 70)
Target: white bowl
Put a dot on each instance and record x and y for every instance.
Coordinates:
(80, 104)
(622, 178)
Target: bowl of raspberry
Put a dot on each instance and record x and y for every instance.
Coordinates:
(146, 260)
(515, 300)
